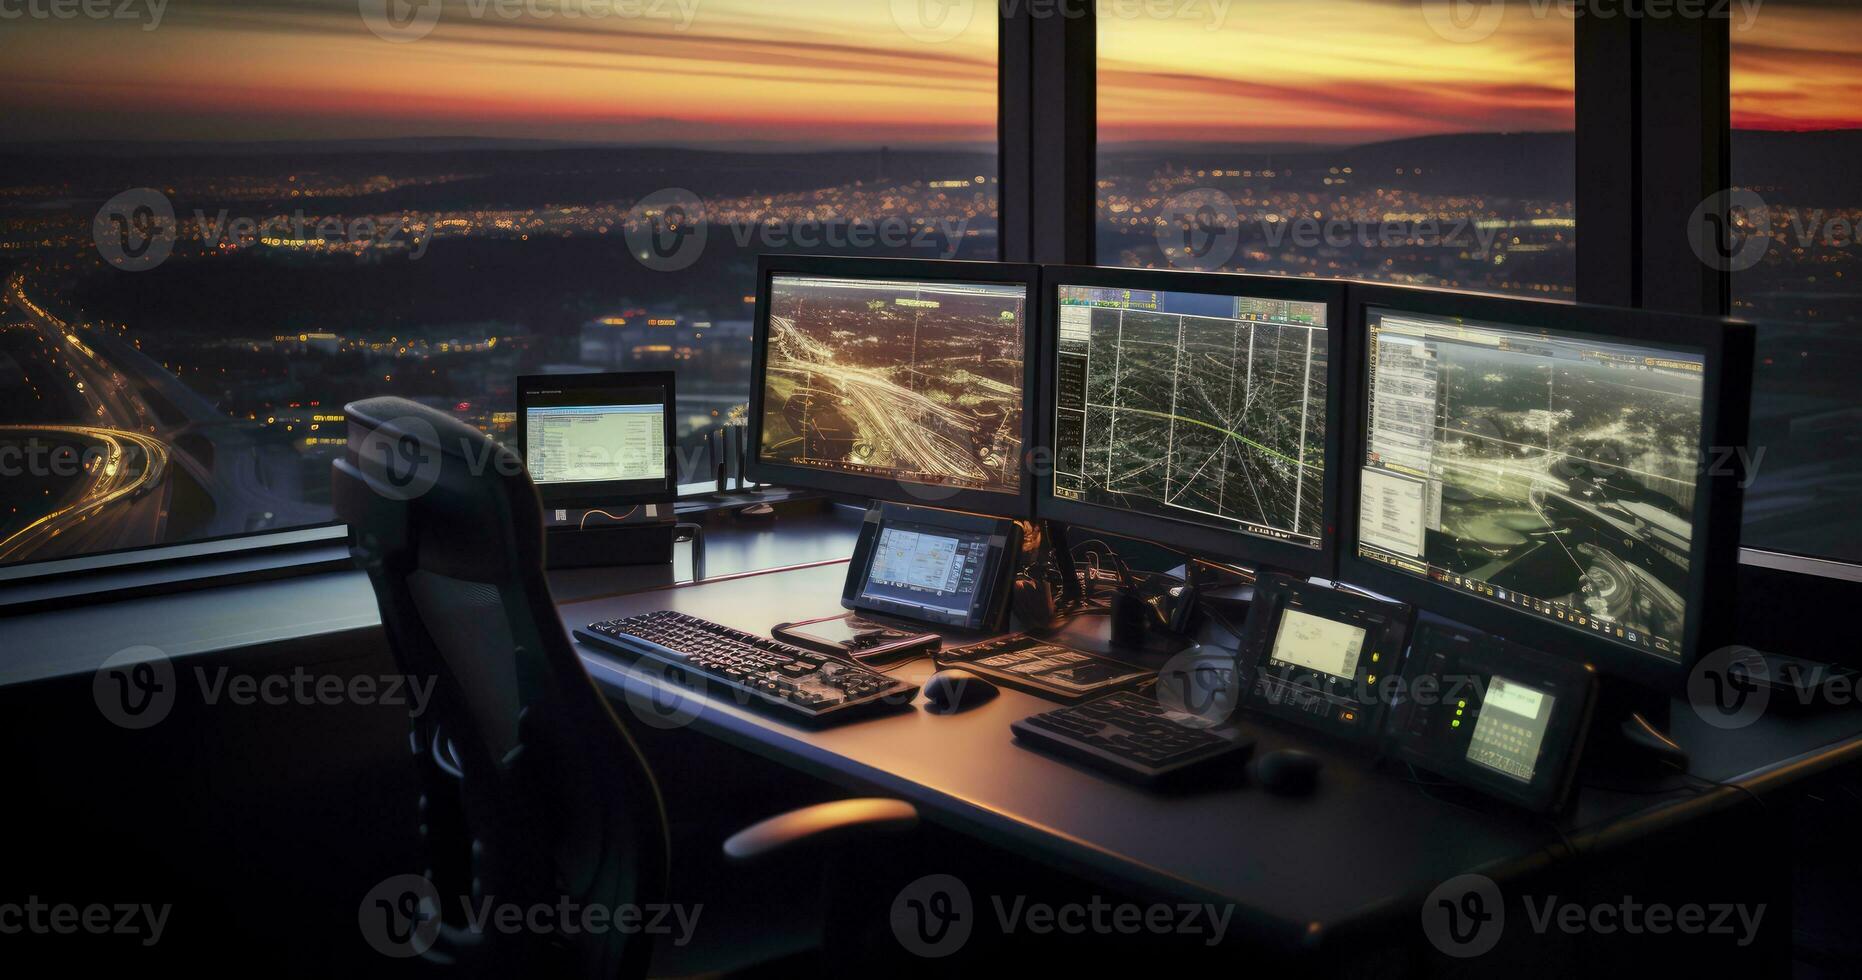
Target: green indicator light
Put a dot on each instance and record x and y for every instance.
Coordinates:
(1455, 724)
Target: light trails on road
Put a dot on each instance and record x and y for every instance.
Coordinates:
(110, 481)
(893, 413)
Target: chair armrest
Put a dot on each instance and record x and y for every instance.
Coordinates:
(841, 818)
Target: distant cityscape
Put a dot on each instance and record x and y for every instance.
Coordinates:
(203, 396)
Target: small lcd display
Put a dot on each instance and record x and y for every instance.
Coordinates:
(1316, 643)
(936, 570)
(1511, 729)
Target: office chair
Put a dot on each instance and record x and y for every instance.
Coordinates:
(533, 790)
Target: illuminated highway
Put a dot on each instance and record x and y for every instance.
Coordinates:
(887, 413)
(130, 466)
(109, 378)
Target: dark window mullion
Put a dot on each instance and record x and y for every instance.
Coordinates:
(1049, 135)
(1609, 162)
(1686, 118)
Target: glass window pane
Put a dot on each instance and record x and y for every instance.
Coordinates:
(1399, 141)
(1797, 271)
(220, 222)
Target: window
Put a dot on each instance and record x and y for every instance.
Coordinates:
(1797, 271)
(1422, 143)
(221, 222)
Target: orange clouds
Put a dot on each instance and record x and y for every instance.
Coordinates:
(828, 71)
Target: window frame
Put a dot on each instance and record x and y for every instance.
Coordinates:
(1653, 138)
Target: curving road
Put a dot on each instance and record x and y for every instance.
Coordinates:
(116, 475)
(108, 375)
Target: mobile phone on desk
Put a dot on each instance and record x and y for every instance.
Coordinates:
(851, 636)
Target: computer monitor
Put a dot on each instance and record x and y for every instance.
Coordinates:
(895, 379)
(1564, 476)
(1194, 410)
(598, 440)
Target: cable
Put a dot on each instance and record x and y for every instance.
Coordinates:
(584, 523)
(861, 660)
(1754, 797)
(1124, 570)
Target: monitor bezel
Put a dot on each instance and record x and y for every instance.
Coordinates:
(601, 494)
(1726, 346)
(1018, 505)
(1202, 540)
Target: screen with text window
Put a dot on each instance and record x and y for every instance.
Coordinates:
(595, 443)
(1554, 474)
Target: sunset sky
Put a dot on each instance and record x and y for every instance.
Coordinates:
(840, 72)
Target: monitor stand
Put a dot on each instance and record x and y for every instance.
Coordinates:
(1629, 738)
(1055, 534)
(1155, 624)
(600, 544)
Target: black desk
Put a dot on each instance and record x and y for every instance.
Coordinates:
(1235, 845)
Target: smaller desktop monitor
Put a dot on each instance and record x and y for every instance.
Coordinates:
(1194, 410)
(596, 440)
(895, 379)
(1564, 476)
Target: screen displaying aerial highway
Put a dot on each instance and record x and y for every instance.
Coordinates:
(917, 382)
(1202, 408)
(1551, 473)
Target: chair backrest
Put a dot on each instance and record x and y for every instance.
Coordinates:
(534, 791)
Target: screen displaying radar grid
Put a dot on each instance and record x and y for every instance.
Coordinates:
(1204, 408)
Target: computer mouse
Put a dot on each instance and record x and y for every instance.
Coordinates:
(951, 691)
(1288, 772)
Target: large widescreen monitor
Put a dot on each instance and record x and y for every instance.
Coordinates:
(1564, 476)
(895, 379)
(1197, 411)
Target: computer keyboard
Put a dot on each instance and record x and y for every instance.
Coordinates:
(754, 671)
(1132, 736)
